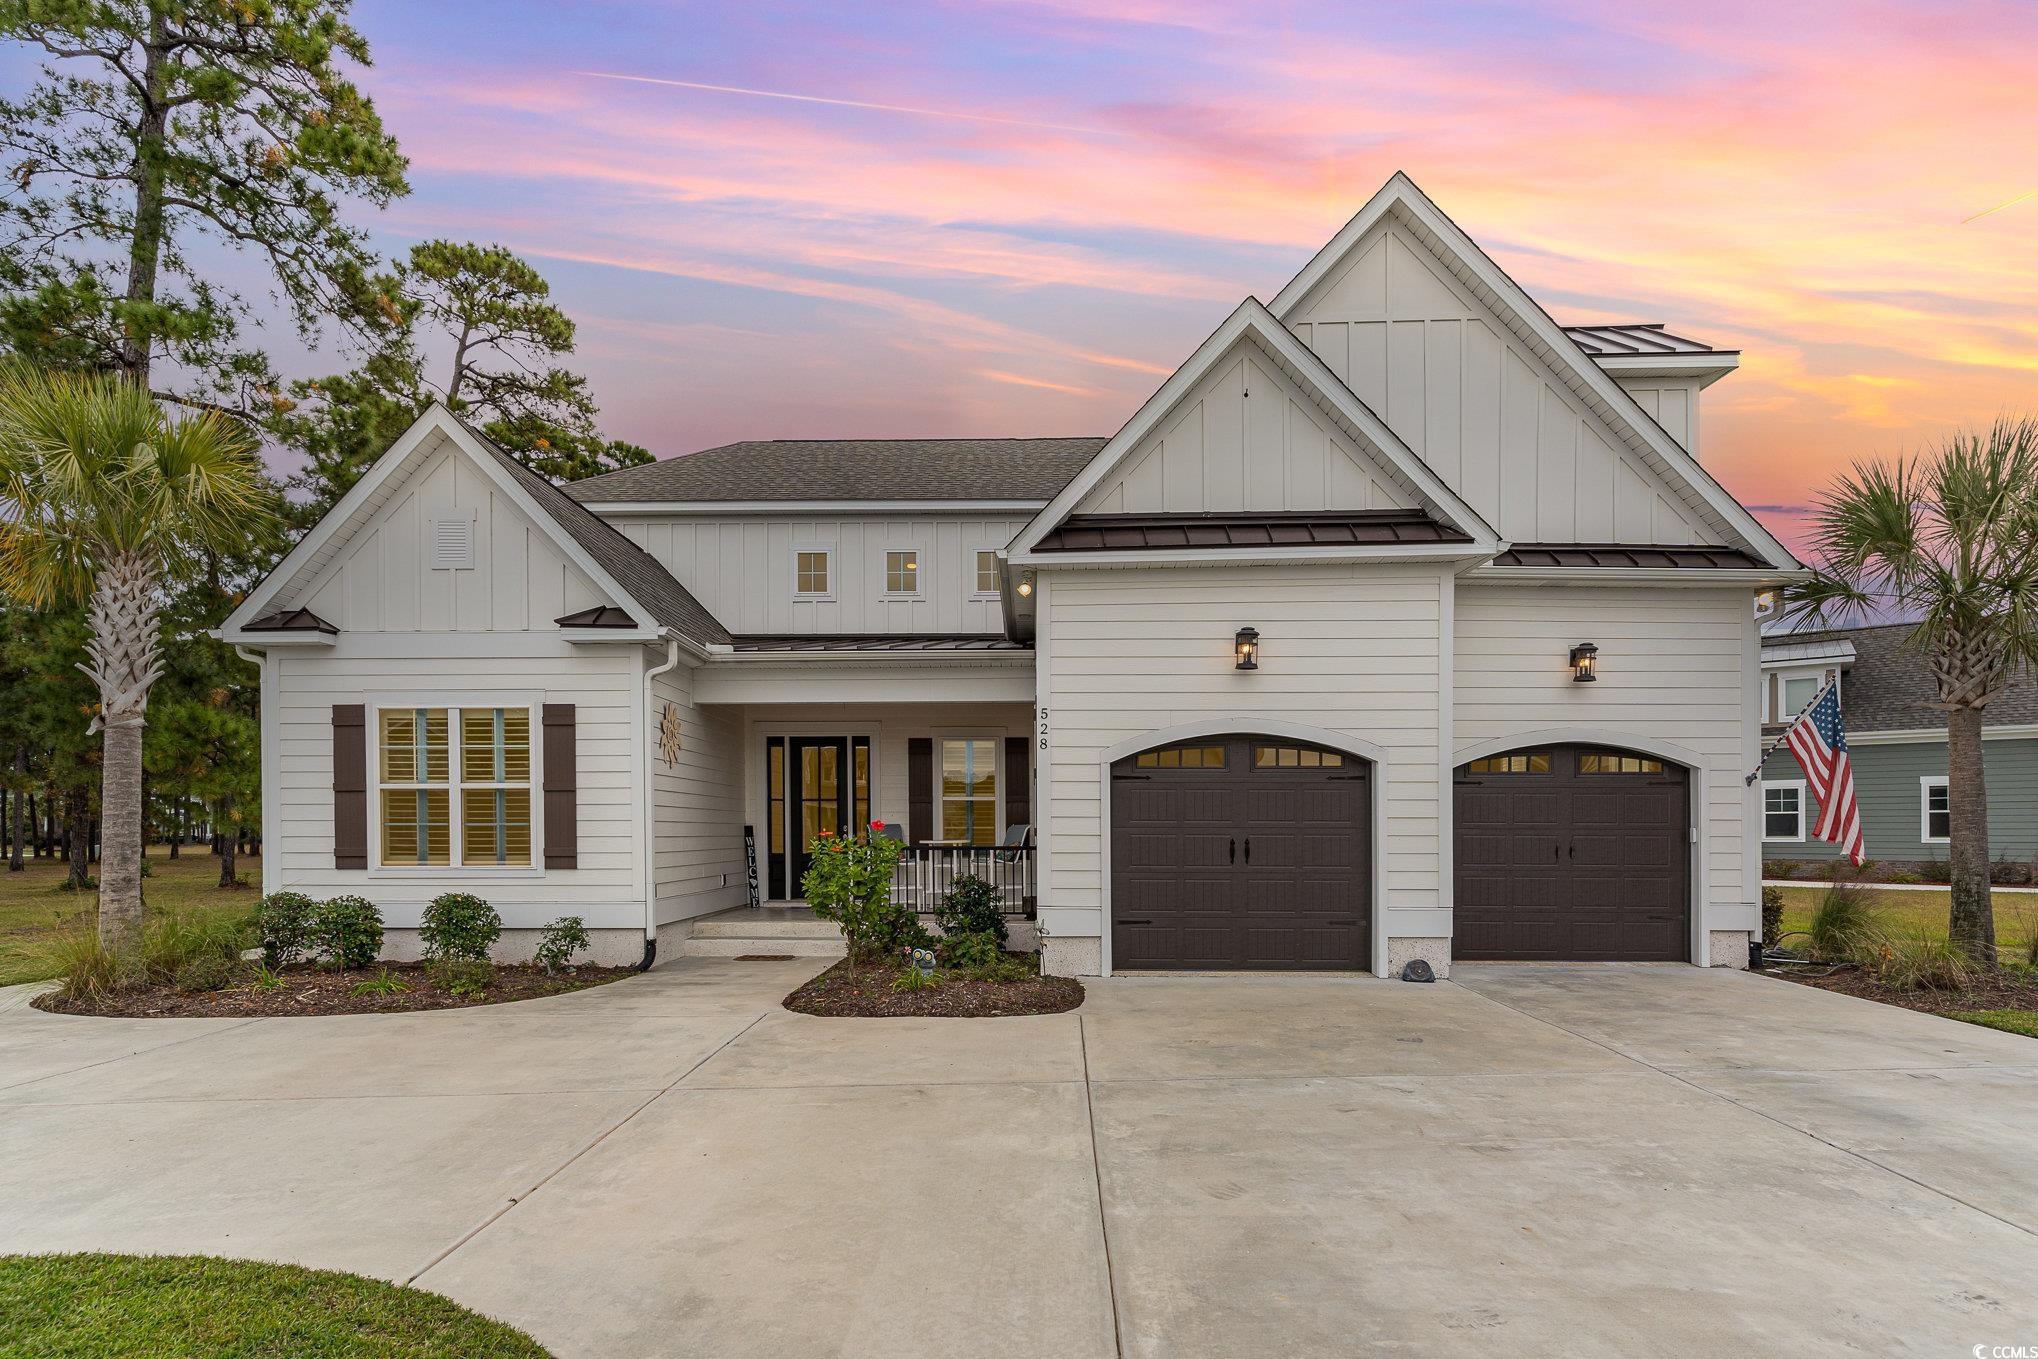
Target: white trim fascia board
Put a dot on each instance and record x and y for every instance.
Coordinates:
(1525, 315)
(1625, 575)
(1274, 556)
(757, 688)
(596, 636)
(1709, 368)
(803, 660)
(2023, 731)
(302, 641)
(837, 508)
(358, 499)
(1252, 319)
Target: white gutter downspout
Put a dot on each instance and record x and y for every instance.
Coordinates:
(259, 659)
(648, 809)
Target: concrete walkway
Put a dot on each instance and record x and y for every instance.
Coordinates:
(1528, 1160)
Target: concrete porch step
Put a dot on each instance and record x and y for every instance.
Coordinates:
(727, 946)
(721, 927)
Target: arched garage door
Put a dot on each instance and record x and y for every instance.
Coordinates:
(1572, 853)
(1240, 852)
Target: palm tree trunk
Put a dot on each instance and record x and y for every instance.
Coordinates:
(1973, 922)
(125, 663)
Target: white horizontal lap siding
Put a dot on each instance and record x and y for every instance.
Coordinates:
(741, 568)
(1354, 650)
(697, 804)
(1672, 666)
(437, 670)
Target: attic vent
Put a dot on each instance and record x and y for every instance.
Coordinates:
(452, 541)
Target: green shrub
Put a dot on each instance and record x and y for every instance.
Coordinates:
(346, 932)
(913, 979)
(468, 978)
(1843, 926)
(1778, 868)
(383, 983)
(1905, 875)
(284, 922)
(86, 969)
(1921, 962)
(1936, 870)
(1772, 915)
(971, 908)
(2008, 872)
(968, 952)
(209, 972)
(562, 939)
(458, 925)
(850, 883)
(172, 943)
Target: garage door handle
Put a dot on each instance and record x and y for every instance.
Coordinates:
(1573, 852)
(1135, 922)
(1248, 849)
(1234, 849)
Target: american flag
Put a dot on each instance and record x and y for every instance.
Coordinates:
(1819, 740)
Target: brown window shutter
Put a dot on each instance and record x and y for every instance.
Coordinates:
(920, 789)
(562, 788)
(350, 785)
(1018, 786)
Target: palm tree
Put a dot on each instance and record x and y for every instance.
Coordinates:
(1952, 542)
(105, 498)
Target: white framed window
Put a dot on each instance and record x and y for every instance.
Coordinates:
(1935, 810)
(987, 572)
(454, 788)
(1785, 692)
(968, 789)
(1783, 809)
(813, 574)
(902, 571)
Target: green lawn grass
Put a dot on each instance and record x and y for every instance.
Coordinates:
(194, 1307)
(1925, 913)
(2011, 1021)
(33, 906)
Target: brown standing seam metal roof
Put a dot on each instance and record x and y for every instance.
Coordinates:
(1627, 556)
(1348, 528)
(671, 604)
(852, 469)
(292, 620)
(973, 641)
(1632, 338)
(600, 616)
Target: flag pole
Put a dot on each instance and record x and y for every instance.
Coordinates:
(1778, 743)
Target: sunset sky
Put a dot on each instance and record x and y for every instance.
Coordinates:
(927, 219)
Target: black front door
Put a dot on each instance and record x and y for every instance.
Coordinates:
(816, 783)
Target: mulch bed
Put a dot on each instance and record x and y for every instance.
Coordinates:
(2003, 991)
(870, 995)
(313, 991)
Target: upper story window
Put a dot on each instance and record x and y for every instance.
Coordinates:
(1935, 809)
(987, 573)
(810, 572)
(1786, 692)
(454, 787)
(902, 572)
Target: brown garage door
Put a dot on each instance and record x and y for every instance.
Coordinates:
(1235, 852)
(1572, 853)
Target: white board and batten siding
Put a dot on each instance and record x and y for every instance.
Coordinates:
(384, 579)
(1671, 403)
(1356, 651)
(1246, 437)
(1675, 666)
(1487, 414)
(741, 568)
(697, 804)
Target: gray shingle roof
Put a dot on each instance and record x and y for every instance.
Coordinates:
(671, 604)
(1889, 689)
(852, 469)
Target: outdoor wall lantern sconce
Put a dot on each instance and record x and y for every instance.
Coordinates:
(1025, 586)
(1584, 663)
(1247, 645)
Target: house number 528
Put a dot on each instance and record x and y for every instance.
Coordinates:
(1043, 728)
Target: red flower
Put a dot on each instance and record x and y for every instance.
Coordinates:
(825, 833)
(877, 825)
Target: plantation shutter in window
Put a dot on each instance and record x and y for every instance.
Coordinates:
(350, 785)
(562, 791)
(1017, 790)
(920, 789)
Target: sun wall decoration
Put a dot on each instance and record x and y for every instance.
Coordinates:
(668, 735)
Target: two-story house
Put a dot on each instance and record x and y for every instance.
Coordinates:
(1400, 622)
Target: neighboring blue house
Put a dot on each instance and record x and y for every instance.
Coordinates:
(1899, 743)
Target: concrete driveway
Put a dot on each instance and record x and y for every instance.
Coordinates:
(1527, 1160)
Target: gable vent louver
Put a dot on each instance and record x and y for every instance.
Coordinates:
(452, 541)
